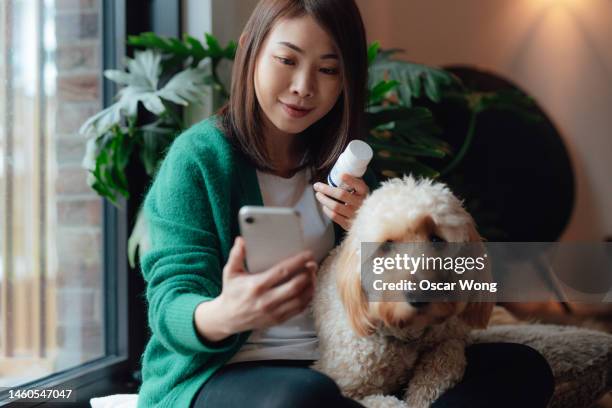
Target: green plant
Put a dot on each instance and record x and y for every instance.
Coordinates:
(145, 119)
(151, 87)
(400, 132)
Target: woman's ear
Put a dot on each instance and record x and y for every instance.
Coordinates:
(348, 280)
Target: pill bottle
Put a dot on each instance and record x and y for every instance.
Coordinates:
(354, 161)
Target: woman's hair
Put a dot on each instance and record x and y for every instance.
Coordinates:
(325, 139)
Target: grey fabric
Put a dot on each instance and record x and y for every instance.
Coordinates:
(581, 359)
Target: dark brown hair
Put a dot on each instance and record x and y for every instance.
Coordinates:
(325, 139)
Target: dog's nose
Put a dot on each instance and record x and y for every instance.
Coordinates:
(418, 305)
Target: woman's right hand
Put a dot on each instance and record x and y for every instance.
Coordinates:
(257, 300)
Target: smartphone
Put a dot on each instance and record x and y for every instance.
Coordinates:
(271, 234)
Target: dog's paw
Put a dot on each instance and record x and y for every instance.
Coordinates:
(382, 401)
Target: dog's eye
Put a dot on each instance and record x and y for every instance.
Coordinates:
(435, 238)
(386, 246)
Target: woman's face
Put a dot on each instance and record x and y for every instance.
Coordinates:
(297, 74)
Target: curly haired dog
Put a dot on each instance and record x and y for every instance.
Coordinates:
(373, 350)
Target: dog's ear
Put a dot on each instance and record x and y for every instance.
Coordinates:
(348, 279)
(478, 313)
(473, 235)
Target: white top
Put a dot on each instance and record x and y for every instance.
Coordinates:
(295, 339)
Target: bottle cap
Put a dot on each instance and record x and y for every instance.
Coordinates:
(359, 153)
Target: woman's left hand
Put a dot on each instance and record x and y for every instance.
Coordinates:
(341, 205)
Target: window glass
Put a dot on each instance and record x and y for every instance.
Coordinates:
(51, 299)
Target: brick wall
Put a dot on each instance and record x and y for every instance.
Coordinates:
(80, 320)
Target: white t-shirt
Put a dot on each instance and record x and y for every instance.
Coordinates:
(295, 339)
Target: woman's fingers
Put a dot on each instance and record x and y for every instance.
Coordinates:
(341, 208)
(339, 204)
(341, 220)
(336, 193)
(292, 306)
(357, 184)
(235, 261)
(283, 271)
(358, 189)
(295, 288)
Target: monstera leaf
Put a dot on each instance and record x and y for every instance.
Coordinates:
(413, 80)
(140, 82)
(401, 133)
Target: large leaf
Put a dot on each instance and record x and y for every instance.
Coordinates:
(373, 51)
(214, 49)
(230, 50)
(113, 153)
(414, 80)
(141, 80)
(196, 47)
(380, 91)
(156, 138)
(154, 42)
(188, 86)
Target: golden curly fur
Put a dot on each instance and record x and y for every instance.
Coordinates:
(376, 349)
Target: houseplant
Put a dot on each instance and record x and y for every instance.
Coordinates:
(169, 73)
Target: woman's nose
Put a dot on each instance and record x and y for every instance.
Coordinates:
(303, 85)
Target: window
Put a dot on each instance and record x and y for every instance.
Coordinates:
(51, 225)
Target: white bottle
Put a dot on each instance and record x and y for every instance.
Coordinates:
(354, 161)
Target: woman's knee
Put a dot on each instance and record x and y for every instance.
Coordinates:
(310, 388)
(536, 366)
(530, 373)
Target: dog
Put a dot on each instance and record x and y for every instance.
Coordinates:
(378, 350)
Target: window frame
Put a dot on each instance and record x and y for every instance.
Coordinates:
(113, 373)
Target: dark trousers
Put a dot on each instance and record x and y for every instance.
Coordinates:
(497, 375)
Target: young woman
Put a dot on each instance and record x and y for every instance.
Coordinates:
(222, 337)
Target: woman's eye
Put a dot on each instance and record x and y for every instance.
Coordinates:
(285, 61)
(329, 71)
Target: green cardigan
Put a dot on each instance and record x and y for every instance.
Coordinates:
(191, 210)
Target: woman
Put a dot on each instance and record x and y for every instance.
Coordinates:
(222, 336)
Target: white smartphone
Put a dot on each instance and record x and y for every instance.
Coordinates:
(271, 234)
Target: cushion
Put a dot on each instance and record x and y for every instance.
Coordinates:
(581, 361)
(115, 401)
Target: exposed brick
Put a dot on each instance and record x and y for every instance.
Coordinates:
(80, 272)
(81, 87)
(70, 116)
(76, 306)
(86, 211)
(80, 341)
(80, 5)
(74, 26)
(72, 180)
(85, 245)
(93, 340)
(69, 150)
(74, 57)
(79, 258)
(76, 271)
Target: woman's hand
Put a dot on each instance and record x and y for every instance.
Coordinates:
(341, 205)
(257, 300)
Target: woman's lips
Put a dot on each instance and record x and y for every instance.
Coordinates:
(294, 111)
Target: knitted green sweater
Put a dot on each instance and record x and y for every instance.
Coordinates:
(191, 209)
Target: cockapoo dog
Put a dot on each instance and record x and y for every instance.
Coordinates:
(374, 350)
